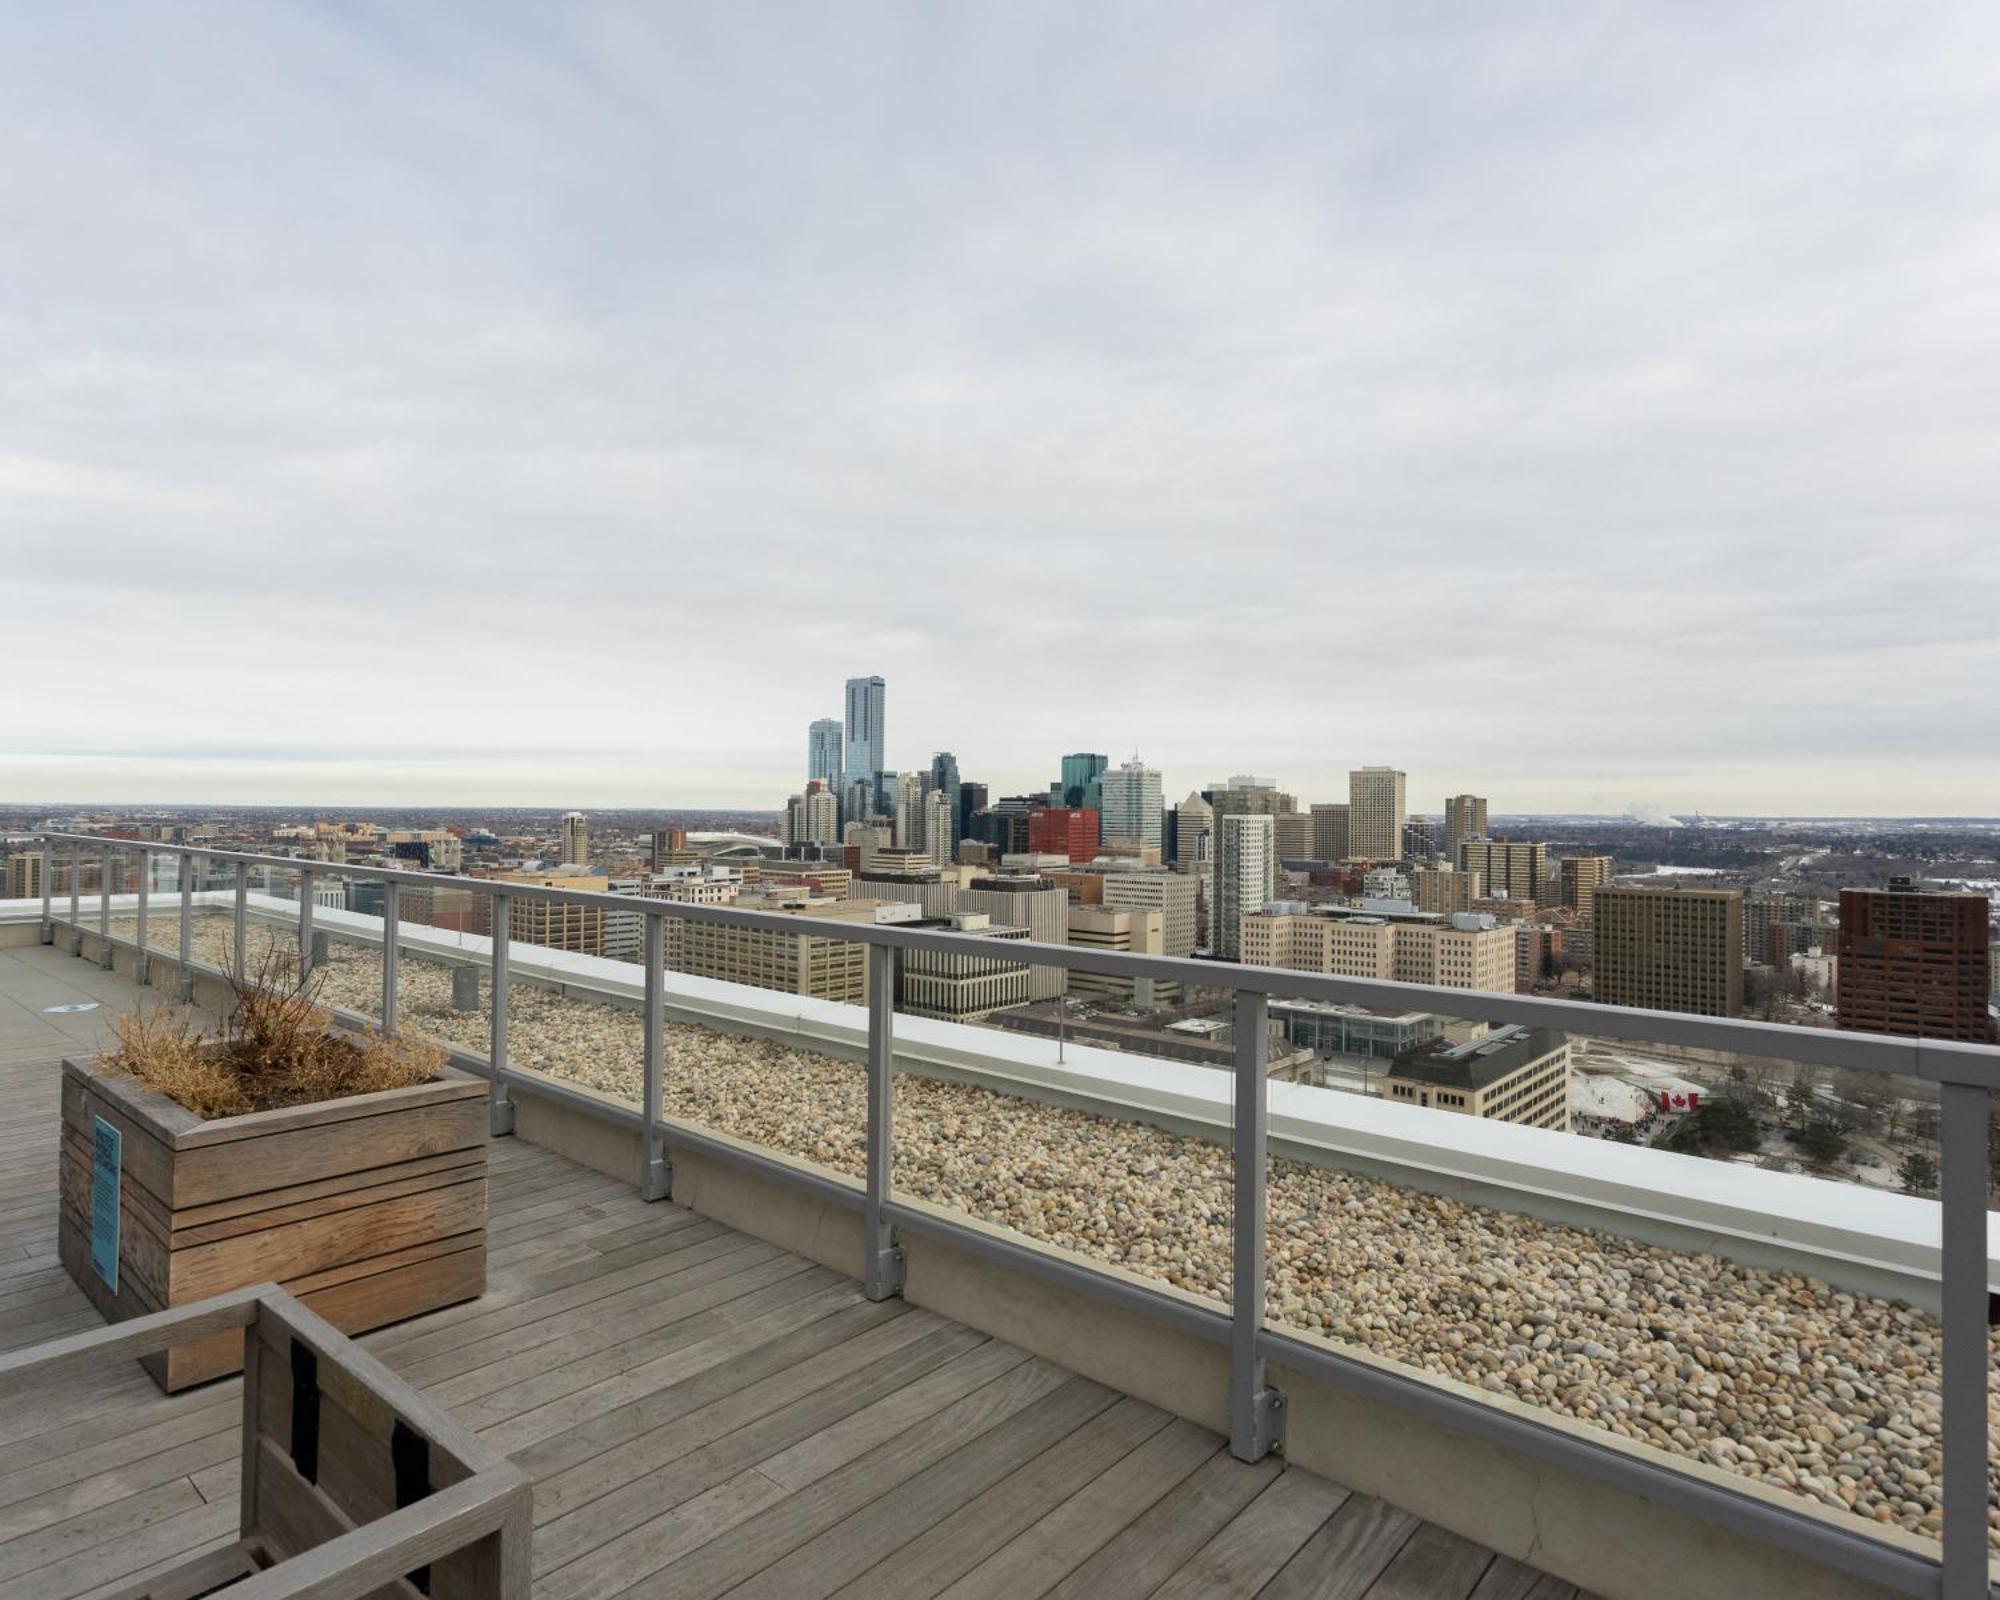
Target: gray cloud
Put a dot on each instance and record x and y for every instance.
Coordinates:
(1555, 402)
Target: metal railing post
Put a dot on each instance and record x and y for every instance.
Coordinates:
(104, 911)
(498, 1103)
(75, 891)
(392, 928)
(241, 913)
(185, 988)
(48, 889)
(1256, 1411)
(142, 963)
(656, 1179)
(882, 1263)
(305, 926)
(1962, 1264)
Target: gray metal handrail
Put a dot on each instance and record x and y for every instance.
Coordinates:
(1966, 1073)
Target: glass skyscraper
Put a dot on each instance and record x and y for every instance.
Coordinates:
(865, 705)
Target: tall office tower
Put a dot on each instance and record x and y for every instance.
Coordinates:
(824, 758)
(1376, 813)
(575, 840)
(1070, 831)
(1132, 803)
(866, 703)
(857, 799)
(1082, 782)
(1329, 825)
(1464, 818)
(1244, 795)
(940, 826)
(908, 810)
(1194, 834)
(943, 779)
(1913, 962)
(1670, 949)
(1582, 877)
(1292, 835)
(1246, 848)
(1518, 868)
(971, 801)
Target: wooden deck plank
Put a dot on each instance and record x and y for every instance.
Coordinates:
(1347, 1555)
(1434, 1565)
(1258, 1541)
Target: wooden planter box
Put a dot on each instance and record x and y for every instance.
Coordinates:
(352, 1483)
(370, 1208)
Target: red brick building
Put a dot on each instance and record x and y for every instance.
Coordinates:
(1913, 962)
(1064, 831)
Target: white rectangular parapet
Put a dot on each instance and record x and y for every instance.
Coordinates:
(1859, 1238)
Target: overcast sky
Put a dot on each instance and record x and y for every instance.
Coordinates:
(1578, 404)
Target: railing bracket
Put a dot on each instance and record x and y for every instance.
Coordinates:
(1266, 1430)
(883, 1278)
(658, 1180)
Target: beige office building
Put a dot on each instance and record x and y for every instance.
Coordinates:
(1441, 890)
(1510, 1075)
(1171, 894)
(1129, 932)
(555, 924)
(1025, 900)
(820, 966)
(1464, 818)
(575, 840)
(1669, 949)
(1376, 811)
(1462, 952)
(1517, 868)
(1582, 877)
(957, 987)
(1194, 834)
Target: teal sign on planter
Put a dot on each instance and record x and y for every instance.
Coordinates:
(106, 1142)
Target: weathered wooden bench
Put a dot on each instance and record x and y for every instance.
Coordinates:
(353, 1484)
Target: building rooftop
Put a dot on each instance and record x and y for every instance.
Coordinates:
(1478, 1063)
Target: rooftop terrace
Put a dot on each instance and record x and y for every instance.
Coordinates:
(703, 1413)
(1634, 1369)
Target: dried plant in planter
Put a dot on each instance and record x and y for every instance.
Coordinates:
(280, 1047)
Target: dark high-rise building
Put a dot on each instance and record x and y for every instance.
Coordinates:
(1082, 783)
(1669, 949)
(665, 842)
(1914, 962)
(971, 801)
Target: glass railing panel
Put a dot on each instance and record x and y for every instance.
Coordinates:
(765, 1038)
(444, 988)
(573, 1014)
(1101, 1127)
(1703, 1255)
(347, 945)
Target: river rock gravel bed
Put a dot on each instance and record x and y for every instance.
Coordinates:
(1773, 1375)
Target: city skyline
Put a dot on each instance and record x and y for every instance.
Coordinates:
(1619, 464)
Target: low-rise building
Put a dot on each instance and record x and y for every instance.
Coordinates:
(1512, 1074)
(1463, 951)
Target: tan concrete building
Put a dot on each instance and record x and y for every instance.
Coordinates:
(1582, 877)
(1376, 810)
(1293, 831)
(1463, 952)
(1464, 818)
(1669, 949)
(1329, 825)
(1127, 931)
(1024, 900)
(1171, 894)
(1516, 867)
(1442, 890)
(575, 840)
(962, 987)
(795, 963)
(555, 924)
(1509, 1075)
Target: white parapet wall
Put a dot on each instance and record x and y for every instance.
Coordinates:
(1858, 1238)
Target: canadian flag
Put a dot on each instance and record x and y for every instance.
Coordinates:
(1678, 1100)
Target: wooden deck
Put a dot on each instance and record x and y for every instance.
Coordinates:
(704, 1415)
